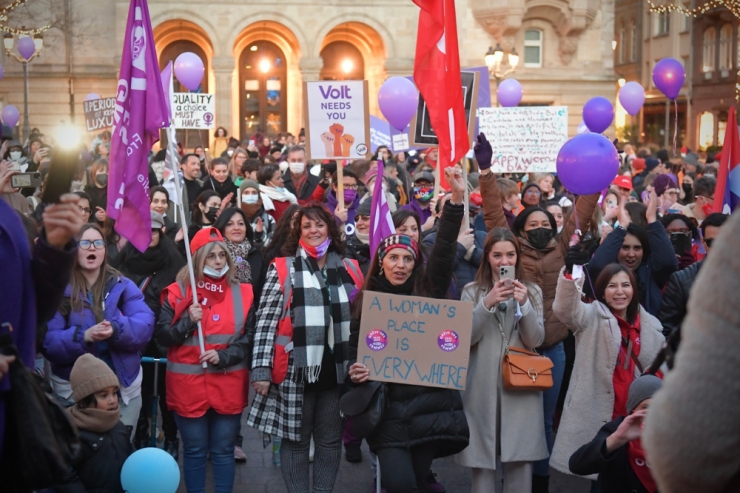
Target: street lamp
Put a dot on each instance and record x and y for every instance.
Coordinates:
(23, 57)
(494, 59)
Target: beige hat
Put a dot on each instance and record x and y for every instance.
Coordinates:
(89, 375)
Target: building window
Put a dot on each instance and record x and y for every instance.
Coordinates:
(662, 23)
(533, 48)
(706, 129)
(725, 48)
(707, 58)
(262, 81)
(633, 42)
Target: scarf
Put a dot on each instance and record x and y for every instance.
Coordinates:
(380, 283)
(269, 194)
(318, 305)
(638, 462)
(223, 189)
(210, 292)
(251, 210)
(93, 419)
(624, 370)
(239, 253)
(363, 238)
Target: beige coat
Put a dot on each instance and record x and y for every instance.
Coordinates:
(522, 423)
(589, 403)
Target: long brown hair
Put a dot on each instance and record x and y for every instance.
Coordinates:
(79, 283)
(316, 212)
(602, 282)
(484, 277)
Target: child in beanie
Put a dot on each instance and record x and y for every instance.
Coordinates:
(105, 444)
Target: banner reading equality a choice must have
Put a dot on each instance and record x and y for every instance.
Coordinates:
(191, 110)
(337, 119)
(414, 340)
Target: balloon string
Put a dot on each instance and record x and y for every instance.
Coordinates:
(675, 128)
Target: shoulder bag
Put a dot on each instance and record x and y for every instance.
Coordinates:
(522, 369)
(365, 406)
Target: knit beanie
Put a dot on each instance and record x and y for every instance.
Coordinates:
(248, 184)
(663, 183)
(651, 163)
(642, 388)
(638, 163)
(89, 375)
(364, 208)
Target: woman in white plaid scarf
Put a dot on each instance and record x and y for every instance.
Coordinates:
(307, 402)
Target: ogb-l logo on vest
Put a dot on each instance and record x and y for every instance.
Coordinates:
(209, 286)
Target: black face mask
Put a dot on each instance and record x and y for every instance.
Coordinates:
(211, 214)
(687, 187)
(681, 242)
(539, 237)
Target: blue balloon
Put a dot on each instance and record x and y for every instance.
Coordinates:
(150, 470)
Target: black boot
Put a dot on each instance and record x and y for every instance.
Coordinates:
(540, 484)
(142, 438)
(172, 448)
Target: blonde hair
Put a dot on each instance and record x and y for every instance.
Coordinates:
(199, 262)
(233, 167)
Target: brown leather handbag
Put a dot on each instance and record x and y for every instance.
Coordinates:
(522, 369)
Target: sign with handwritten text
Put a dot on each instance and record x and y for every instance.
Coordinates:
(416, 341)
(525, 139)
(99, 113)
(194, 110)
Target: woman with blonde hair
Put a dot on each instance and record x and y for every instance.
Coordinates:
(238, 158)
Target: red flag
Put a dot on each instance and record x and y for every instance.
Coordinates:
(727, 192)
(437, 75)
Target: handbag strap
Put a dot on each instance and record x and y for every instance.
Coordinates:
(628, 348)
(507, 348)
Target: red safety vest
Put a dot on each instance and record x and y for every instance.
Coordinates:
(284, 336)
(192, 389)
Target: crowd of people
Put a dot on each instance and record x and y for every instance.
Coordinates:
(281, 265)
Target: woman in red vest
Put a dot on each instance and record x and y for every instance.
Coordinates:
(207, 402)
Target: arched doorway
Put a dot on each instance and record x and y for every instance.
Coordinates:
(262, 89)
(342, 61)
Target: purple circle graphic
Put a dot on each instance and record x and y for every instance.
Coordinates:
(208, 118)
(448, 340)
(376, 339)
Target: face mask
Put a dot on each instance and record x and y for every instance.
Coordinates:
(423, 194)
(215, 274)
(297, 168)
(211, 214)
(687, 187)
(707, 208)
(283, 166)
(230, 152)
(15, 155)
(278, 189)
(539, 237)
(681, 243)
(560, 228)
(349, 196)
(318, 251)
(250, 199)
(102, 179)
(77, 185)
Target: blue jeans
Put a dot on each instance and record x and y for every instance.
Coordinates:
(550, 401)
(214, 433)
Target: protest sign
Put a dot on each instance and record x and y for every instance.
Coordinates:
(99, 113)
(193, 110)
(414, 340)
(525, 139)
(337, 119)
(382, 134)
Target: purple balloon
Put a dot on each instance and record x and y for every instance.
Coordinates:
(598, 114)
(92, 96)
(26, 47)
(10, 115)
(509, 93)
(668, 76)
(587, 163)
(189, 70)
(632, 97)
(2, 71)
(398, 99)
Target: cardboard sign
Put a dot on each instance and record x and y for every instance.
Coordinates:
(422, 133)
(337, 119)
(99, 113)
(525, 139)
(417, 341)
(193, 110)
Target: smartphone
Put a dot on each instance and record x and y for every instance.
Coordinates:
(26, 180)
(251, 143)
(507, 272)
(62, 170)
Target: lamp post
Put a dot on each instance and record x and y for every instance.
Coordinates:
(494, 61)
(24, 57)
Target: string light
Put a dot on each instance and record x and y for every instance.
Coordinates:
(731, 5)
(18, 32)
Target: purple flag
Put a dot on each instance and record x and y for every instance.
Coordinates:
(139, 114)
(381, 222)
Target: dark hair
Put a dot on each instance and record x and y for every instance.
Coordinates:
(401, 215)
(315, 211)
(484, 277)
(160, 189)
(250, 165)
(184, 159)
(201, 199)
(84, 196)
(705, 186)
(283, 229)
(218, 161)
(266, 173)
(669, 218)
(225, 217)
(715, 219)
(521, 220)
(602, 282)
(638, 213)
(641, 234)
(89, 402)
(346, 174)
(215, 134)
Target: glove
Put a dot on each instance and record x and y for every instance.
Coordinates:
(576, 255)
(483, 151)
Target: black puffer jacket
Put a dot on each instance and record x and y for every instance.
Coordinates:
(415, 414)
(98, 467)
(676, 297)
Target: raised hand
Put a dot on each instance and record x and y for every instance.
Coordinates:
(483, 151)
(62, 221)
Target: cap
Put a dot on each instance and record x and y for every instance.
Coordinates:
(651, 163)
(642, 388)
(691, 159)
(371, 173)
(623, 182)
(638, 164)
(663, 183)
(424, 175)
(157, 220)
(89, 375)
(203, 237)
(398, 241)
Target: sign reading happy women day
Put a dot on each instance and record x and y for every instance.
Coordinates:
(414, 340)
(193, 110)
(337, 119)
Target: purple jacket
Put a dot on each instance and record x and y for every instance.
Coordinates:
(133, 326)
(414, 206)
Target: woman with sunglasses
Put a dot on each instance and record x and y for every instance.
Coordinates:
(104, 314)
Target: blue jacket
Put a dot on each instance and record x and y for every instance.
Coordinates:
(133, 326)
(465, 270)
(654, 271)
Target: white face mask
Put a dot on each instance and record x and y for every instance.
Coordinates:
(250, 199)
(297, 168)
(283, 166)
(15, 155)
(213, 273)
(229, 152)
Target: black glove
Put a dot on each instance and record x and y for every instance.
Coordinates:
(576, 255)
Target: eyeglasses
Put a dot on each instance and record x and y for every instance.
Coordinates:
(670, 192)
(88, 245)
(86, 210)
(350, 187)
(709, 242)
